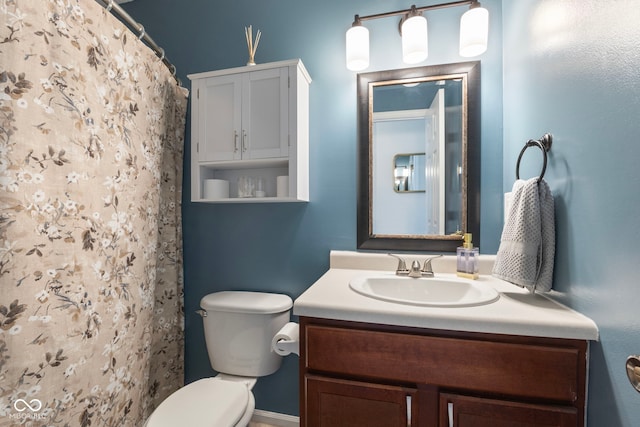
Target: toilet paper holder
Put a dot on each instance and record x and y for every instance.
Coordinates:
(288, 347)
(287, 340)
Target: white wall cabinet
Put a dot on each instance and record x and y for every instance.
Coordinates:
(251, 121)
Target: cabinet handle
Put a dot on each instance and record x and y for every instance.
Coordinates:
(235, 141)
(408, 411)
(450, 413)
(244, 140)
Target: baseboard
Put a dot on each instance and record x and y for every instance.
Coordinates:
(275, 419)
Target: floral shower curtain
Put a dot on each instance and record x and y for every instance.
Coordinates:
(91, 137)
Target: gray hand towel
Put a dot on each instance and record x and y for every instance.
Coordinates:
(527, 246)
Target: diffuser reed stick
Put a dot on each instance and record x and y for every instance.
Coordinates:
(251, 44)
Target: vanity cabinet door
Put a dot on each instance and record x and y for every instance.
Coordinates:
(341, 403)
(465, 411)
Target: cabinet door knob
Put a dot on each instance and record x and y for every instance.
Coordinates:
(235, 141)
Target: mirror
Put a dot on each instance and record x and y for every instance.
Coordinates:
(419, 157)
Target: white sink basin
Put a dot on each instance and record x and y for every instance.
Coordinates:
(433, 292)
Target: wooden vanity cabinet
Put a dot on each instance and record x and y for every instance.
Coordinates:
(360, 374)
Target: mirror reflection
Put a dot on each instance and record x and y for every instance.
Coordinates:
(415, 127)
(409, 173)
(419, 116)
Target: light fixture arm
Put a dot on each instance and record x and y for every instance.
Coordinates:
(403, 12)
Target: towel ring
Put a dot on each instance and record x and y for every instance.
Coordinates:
(544, 144)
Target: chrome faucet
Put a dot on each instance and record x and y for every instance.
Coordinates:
(415, 271)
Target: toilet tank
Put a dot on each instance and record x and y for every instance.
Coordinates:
(239, 327)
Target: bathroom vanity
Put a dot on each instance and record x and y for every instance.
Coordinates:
(520, 360)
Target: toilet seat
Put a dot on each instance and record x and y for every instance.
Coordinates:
(206, 402)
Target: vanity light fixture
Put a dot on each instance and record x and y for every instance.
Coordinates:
(474, 28)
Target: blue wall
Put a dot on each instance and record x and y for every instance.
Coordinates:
(285, 248)
(571, 68)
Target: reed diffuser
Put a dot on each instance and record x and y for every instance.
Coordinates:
(251, 44)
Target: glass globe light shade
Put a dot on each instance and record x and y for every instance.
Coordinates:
(474, 30)
(357, 48)
(414, 39)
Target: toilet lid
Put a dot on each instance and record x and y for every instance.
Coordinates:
(207, 402)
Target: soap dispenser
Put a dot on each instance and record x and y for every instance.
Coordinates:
(467, 265)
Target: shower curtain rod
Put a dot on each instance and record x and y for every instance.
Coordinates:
(121, 14)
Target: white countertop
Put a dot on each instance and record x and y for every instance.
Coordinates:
(517, 311)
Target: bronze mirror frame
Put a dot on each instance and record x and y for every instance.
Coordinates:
(471, 149)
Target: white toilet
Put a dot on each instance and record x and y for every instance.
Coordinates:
(238, 328)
